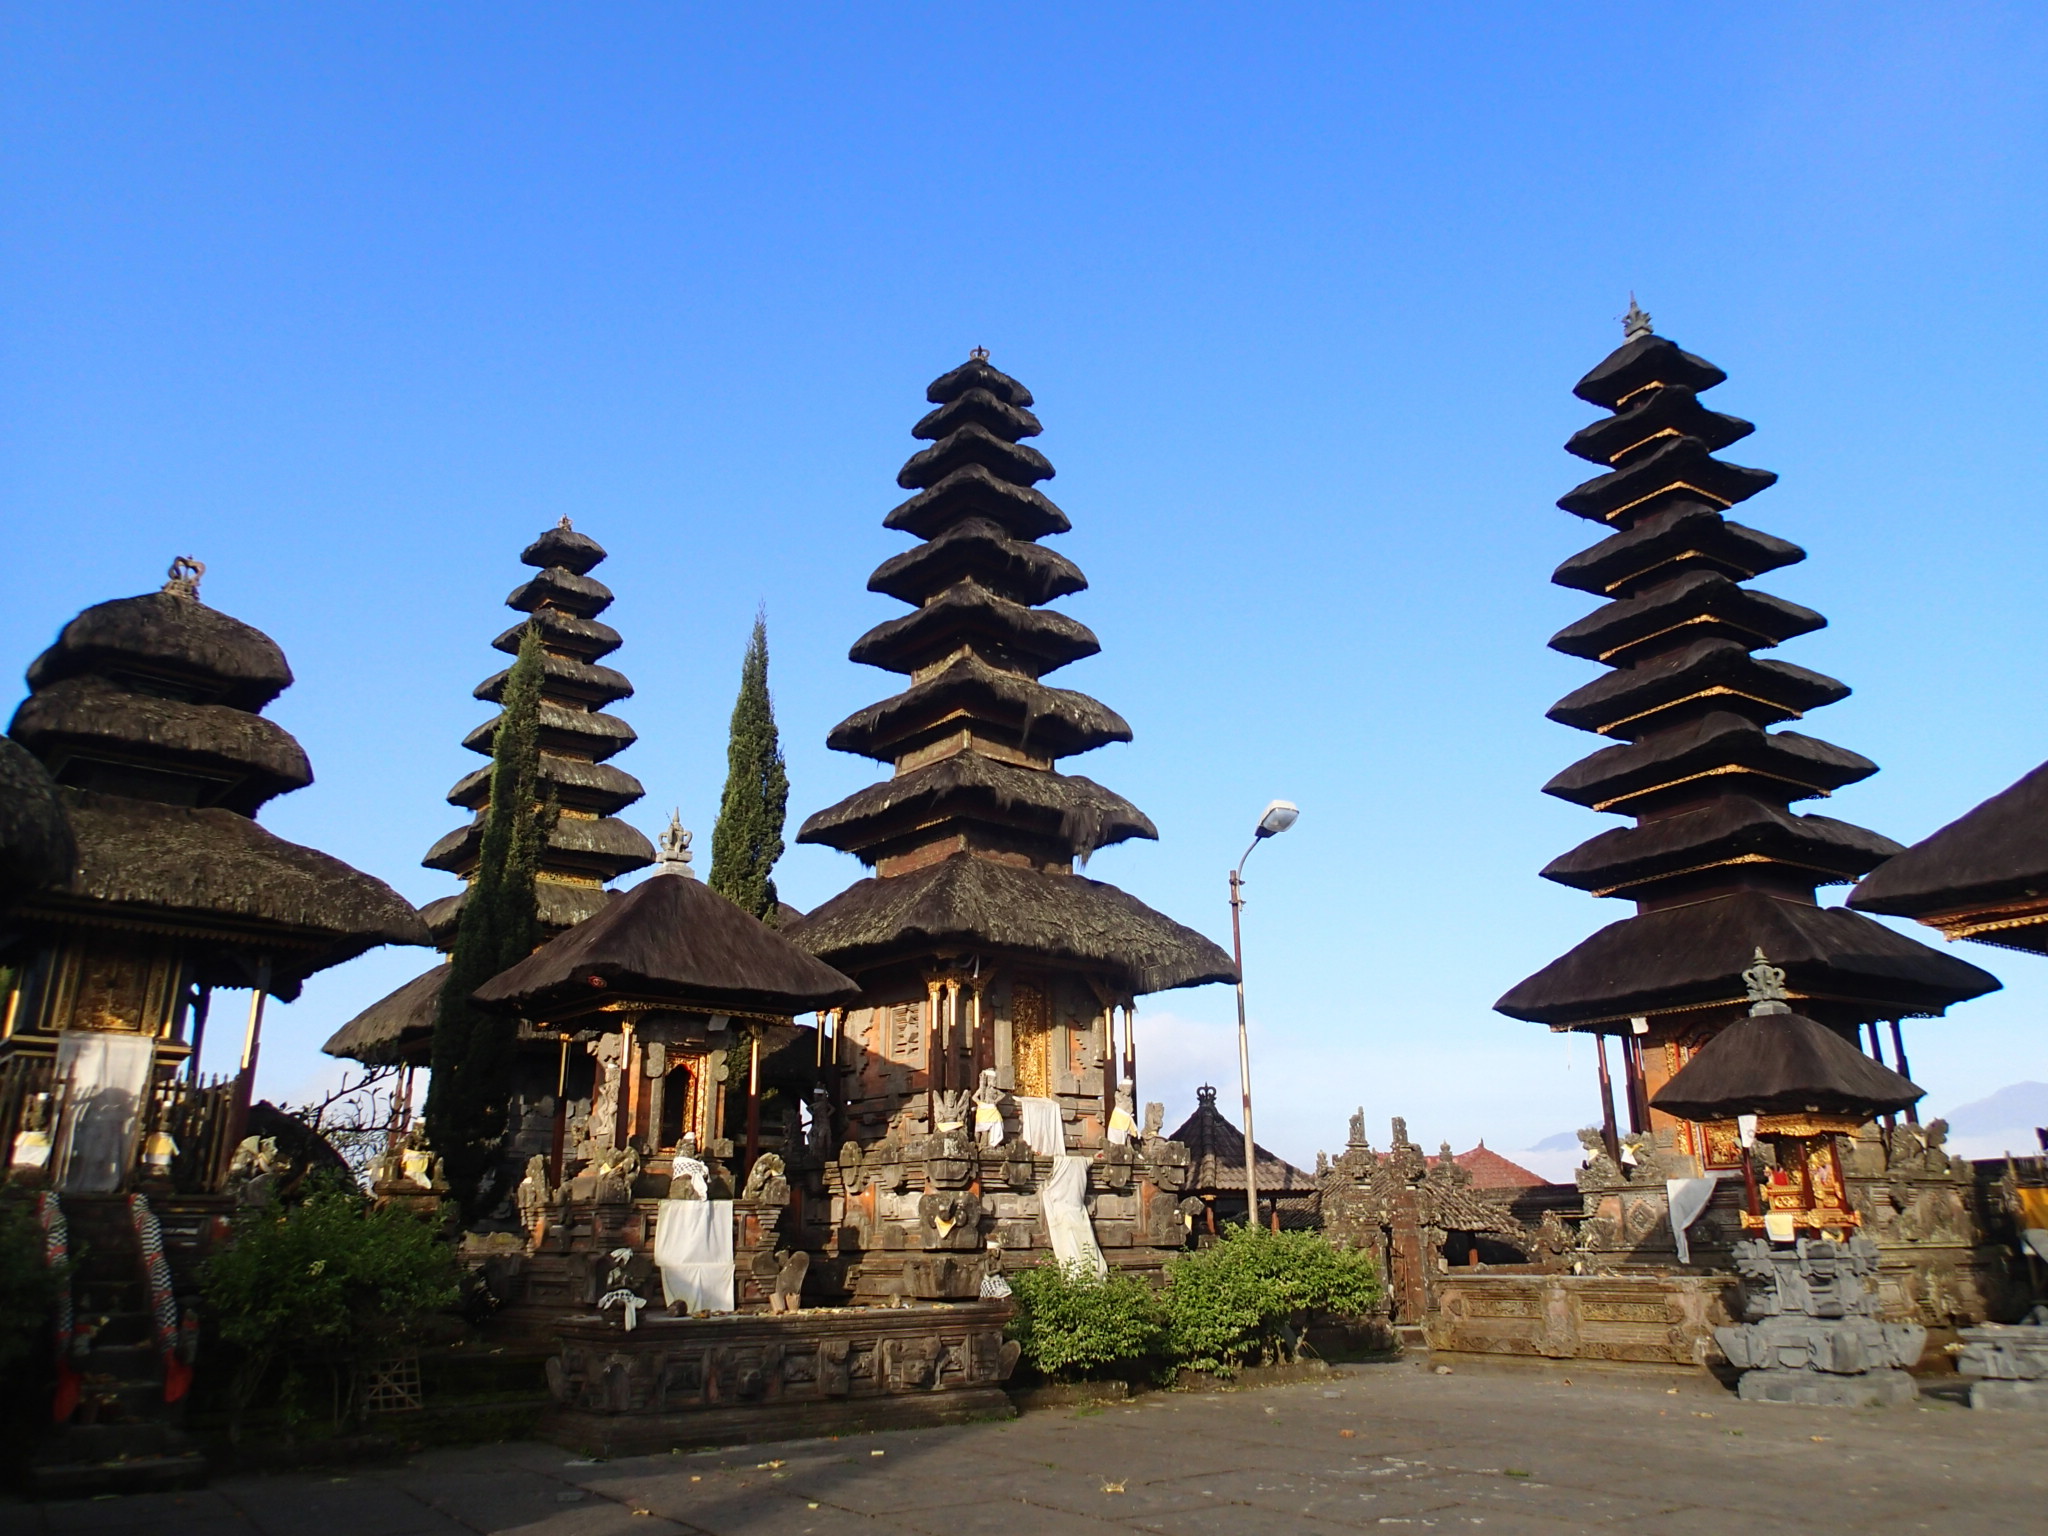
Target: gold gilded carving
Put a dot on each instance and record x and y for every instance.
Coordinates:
(1031, 1041)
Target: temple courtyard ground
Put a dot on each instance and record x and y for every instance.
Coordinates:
(1491, 1449)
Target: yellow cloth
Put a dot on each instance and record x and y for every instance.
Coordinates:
(2033, 1207)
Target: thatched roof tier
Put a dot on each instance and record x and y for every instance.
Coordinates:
(972, 491)
(979, 406)
(1718, 752)
(567, 731)
(972, 443)
(212, 871)
(568, 680)
(970, 903)
(1690, 957)
(670, 939)
(560, 903)
(1075, 812)
(1689, 536)
(1782, 1063)
(562, 546)
(1694, 605)
(1216, 1155)
(583, 597)
(976, 373)
(1033, 641)
(600, 846)
(169, 643)
(1651, 418)
(979, 549)
(1983, 876)
(564, 635)
(1679, 471)
(1690, 850)
(36, 846)
(577, 785)
(1680, 685)
(397, 1027)
(1644, 362)
(97, 734)
(968, 693)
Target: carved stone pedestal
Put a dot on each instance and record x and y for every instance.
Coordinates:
(1814, 1333)
(2009, 1364)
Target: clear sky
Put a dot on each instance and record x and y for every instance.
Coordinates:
(352, 301)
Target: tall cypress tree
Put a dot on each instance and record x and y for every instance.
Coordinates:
(748, 838)
(467, 1096)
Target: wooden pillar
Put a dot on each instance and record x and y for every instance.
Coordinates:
(629, 1106)
(948, 1030)
(252, 1046)
(1609, 1133)
(1632, 1066)
(931, 1029)
(753, 1098)
(201, 1006)
(1131, 1048)
(1899, 1066)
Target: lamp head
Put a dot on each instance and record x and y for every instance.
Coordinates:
(1278, 817)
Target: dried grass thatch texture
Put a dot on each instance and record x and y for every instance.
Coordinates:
(174, 638)
(1216, 1154)
(1782, 1064)
(396, 1027)
(36, 846)
(978, 903)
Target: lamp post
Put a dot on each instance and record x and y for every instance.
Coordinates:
(1277, 818)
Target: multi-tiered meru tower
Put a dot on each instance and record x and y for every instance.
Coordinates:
(1717, 863)
(976, 945)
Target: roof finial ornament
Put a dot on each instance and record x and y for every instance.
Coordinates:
(1766, 984)
(185, 573)
(1635, 324)
(675, 848)
(979, 354)
(565, 524)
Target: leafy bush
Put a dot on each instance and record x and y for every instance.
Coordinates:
(1072, 1322)
(28, 1288)
(1247, 1298)
(332, 1279)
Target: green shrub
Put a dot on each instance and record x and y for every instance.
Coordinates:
(1247, 1298)
(28, 1288)
(333, 1279)
(1073, 1323)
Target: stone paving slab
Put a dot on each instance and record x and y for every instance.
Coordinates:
(1380, 1448)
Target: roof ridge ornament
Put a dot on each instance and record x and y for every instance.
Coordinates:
(979, 354)
(1636, 323)
(1766, 983)
(674, 848)
(565, 525)
(185, 574)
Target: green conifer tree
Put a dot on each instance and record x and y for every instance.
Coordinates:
(748, 838)
(467, 1095)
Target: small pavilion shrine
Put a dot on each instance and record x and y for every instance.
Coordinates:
(1716, 862)
(988, 1071)
(1287, 1195)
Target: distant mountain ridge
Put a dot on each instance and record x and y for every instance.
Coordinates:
(2015, 1107)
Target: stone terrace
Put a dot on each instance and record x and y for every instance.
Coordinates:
(1498, 1450)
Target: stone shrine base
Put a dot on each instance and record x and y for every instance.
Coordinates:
(1650, 1319)
(1816, 1389)
(676, 1383)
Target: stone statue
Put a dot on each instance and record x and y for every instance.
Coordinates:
(988, 1112)
(254, 1169)
(616, 1172)
(953, 1105)
(788, 1292)
(818, 1134)
(1122, 1123)
(688, 1177)
(1358, 1127)
(618, 1290)
(993, 1286)
(766, 1180)
(1155, 1121)
(610, 1052)
(533, 1194)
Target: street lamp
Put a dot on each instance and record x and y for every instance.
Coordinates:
(1277, 818)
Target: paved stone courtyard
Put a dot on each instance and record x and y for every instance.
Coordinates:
(1487, 1450)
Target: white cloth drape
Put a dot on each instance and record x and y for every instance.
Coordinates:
(1688, 1198)
(1045, 1130)
(1063, 1199)
(106, 1077)
(693, 1250)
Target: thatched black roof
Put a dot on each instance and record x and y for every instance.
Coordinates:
(973, 443)
(559, 904)
(1008, 421)
(36, 846)
(564, 547)
(396, 1027)
(1688, 956)
(576, 783)
(582, 597)
(673, 939)
(1216, 1155)
(1726, 830)
(1993, 855)
(214, 871)
(602, 846)
(1640, 362)
(1687, 535)
(567, 678)
(1693, 604)
(228, 756)
(1075, 811)
(1680, 468)
(969, 902)
(1740, 754)
(570, 732)
(1775, 1063)
(1718, 674)
(1673, 411)
(172, 642)
(560, 631)
(973, 491)
(1034, 641)
(1015, 568)
(1049, 722)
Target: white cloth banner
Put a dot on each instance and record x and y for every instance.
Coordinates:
(105, 1078)
(1045, 1128)
(693, 1250)
(1688, 1198)
(1063, 1198)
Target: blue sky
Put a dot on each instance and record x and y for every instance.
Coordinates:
(350, 302)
